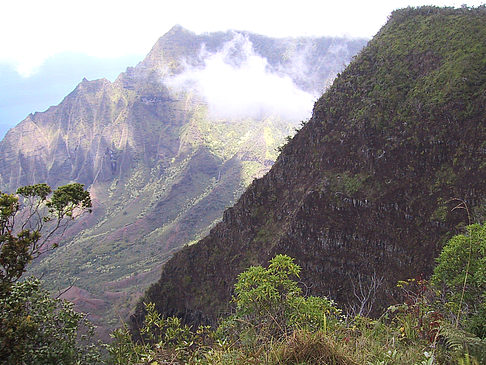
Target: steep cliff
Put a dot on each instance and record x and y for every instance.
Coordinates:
(366, 188)
(160, 161)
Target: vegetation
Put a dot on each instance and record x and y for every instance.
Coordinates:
(461, 277)
(38, 329)
(29, 222)
(35, 328)
(440, 322)
(274, 323)
(269, 303)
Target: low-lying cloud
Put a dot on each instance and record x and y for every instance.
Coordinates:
(238, 83)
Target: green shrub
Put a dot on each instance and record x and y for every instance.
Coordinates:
(269, 303)
(164, 340)
(38, 329)
(460, 274)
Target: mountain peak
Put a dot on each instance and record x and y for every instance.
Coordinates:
(177, 29)
(172, 46)
(176, 34)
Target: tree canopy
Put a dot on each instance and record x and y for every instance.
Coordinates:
(32, 222)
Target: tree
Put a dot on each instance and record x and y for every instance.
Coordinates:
(35, 328)
(31, 223)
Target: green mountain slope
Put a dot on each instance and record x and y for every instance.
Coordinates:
(160, 165)
(367, 188)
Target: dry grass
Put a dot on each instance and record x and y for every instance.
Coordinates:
(312, 348)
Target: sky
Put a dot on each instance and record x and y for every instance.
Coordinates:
(36, 35)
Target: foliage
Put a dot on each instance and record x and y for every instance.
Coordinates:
(35, 328)
(29, 221)
(461, 276)
(269, 302)
(269, 307)
(123, 350)
(463, 344)
(274, 323)
(38, 329)
(164, 339)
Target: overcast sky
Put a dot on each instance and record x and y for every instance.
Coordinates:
(48, 46)
(34, 30)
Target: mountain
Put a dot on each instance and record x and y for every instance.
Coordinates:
(164, 149)
(50, 83)
(371, 187)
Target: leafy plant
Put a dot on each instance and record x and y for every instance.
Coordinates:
(38, 329)
(460, 274)
(467, 347)
(269, 303)
(162, 339)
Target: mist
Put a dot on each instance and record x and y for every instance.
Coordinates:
(238, 83)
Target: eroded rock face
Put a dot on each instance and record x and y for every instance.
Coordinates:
(367, 187)
(160, 167)
(91, 137)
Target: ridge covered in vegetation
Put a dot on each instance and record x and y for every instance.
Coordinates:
(364, 194)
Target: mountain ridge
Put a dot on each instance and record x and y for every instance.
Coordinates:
(366, 187)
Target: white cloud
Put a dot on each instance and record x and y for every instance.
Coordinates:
(237, 83)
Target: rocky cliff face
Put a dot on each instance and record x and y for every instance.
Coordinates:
(367, 188)
(160, 162)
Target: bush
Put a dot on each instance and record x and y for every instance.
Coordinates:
(164, 340)
(460, 275)
(38, 329)
(269, 303)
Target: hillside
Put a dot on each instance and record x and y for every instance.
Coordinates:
(367, 188)
(161, 154)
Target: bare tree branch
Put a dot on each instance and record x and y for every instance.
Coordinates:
(365, 294)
